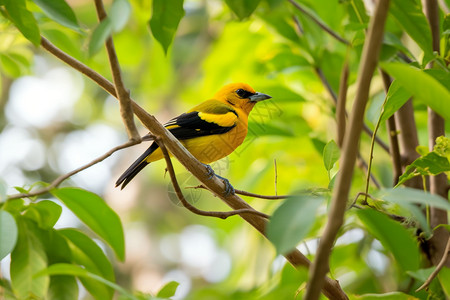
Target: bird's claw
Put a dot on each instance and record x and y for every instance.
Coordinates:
(229, 189)
(209, 171)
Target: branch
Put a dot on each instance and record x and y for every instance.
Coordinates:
(436, 128)
(63, 177)
(331, 288)
(244, 193)
(320, 23)
(186, 204)
(126, 111)
(438, 268)
(369, 61)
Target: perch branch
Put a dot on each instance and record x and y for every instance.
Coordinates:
(63, 177)
(368, 64)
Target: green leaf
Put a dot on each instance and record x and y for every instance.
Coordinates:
(28, 258)
(96, 214)
(166, 16)
(422, 86)
(73, 270)
(242, 8)
(421, 274)
(330, 154)
(396, 97)
(119, 14)
(413, 196)
(45, 213)
(23, 19)
(87, 253)
(429, 164)
(409, 16)
(8, 233)
(168, 290)
(59, 11)
(62, 287)
(9, 66)
(444, 279)
(14, 206)
(386, 296)
(446, 38)
(393, 236)
(100, 35)
(292, 221)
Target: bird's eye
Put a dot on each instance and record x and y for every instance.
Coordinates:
(243, 93)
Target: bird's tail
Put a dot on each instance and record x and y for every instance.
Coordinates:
(136, 167)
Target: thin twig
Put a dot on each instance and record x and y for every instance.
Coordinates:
(368, 63)
(186, 204)
(438, 267)
(63, 177)
(126, 111)
(331, 289)
(245, 193)
(372, 145)
(320, 23)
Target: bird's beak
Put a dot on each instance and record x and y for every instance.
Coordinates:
(259, 97)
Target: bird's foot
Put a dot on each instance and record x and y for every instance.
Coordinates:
(229, 189)
(209, 171)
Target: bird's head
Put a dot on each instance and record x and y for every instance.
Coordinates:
(240, 95)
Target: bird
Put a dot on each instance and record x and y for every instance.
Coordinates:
(209, 131)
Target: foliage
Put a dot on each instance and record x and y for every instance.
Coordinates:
(296, 54)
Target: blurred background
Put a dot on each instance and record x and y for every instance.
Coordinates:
(53, 120)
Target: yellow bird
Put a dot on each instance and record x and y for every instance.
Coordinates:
(210, 131)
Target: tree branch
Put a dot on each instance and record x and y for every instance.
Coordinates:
(126, 111)
(368, 64)
(63, 177)
(320, 23)
(244, 193)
